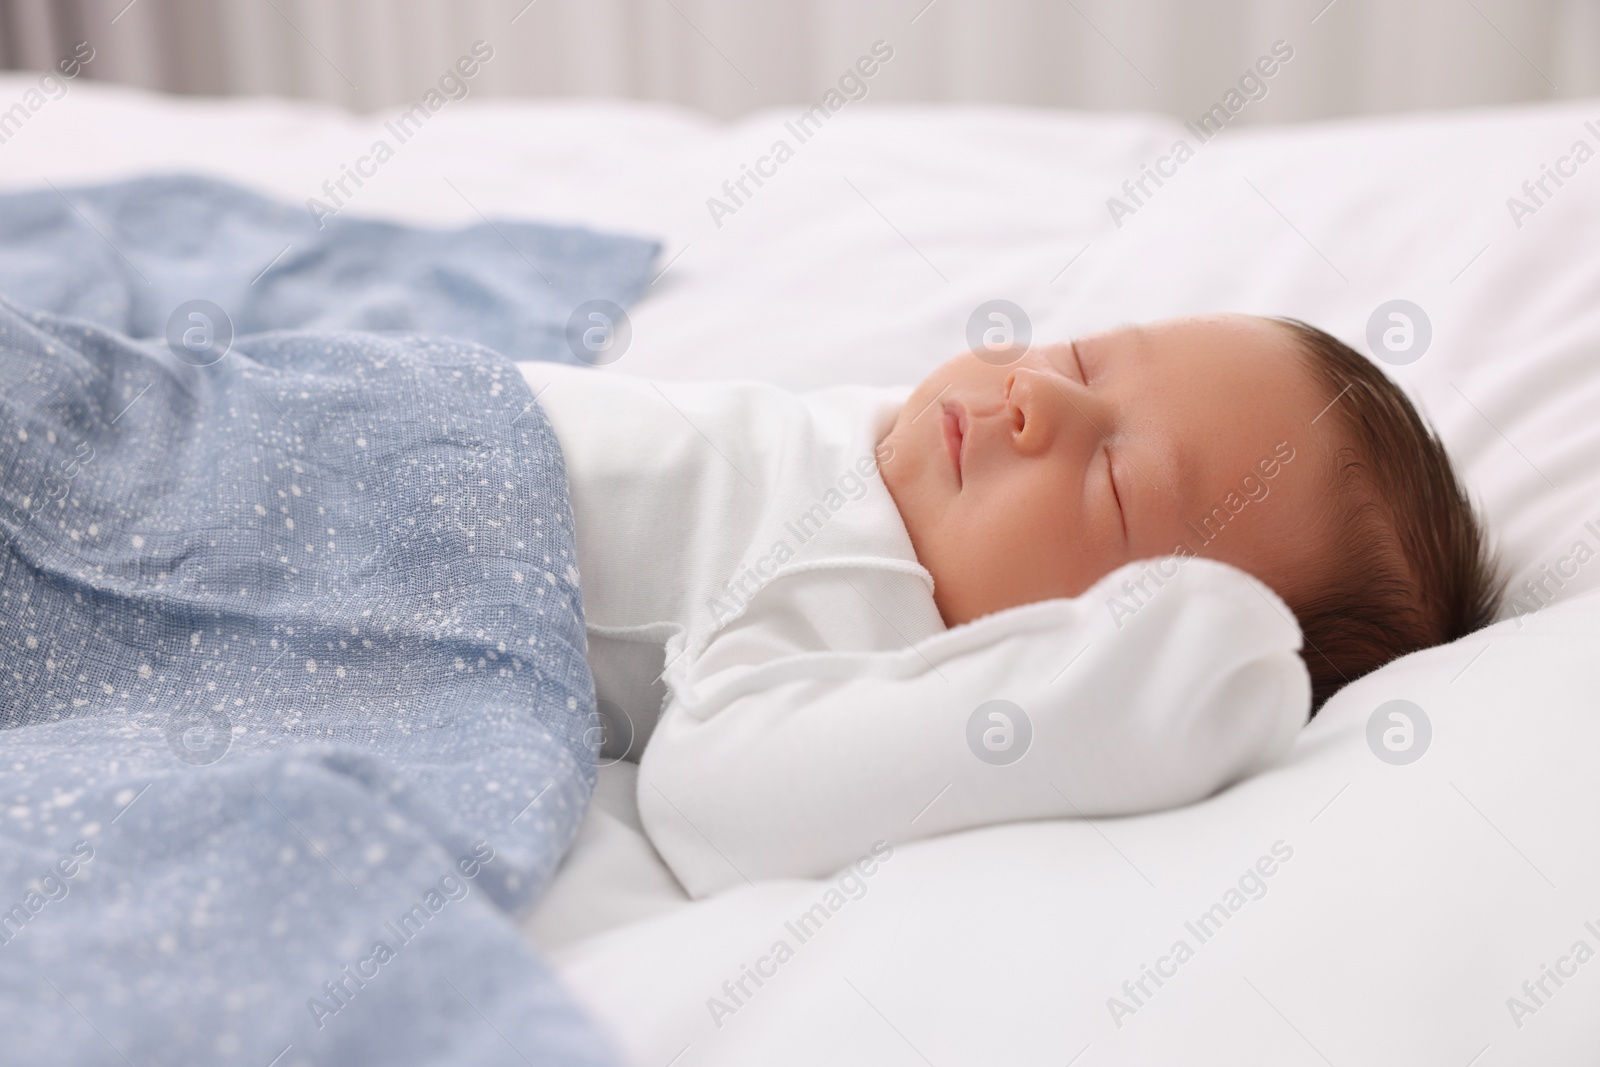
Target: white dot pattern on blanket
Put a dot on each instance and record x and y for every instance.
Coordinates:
(270, 685)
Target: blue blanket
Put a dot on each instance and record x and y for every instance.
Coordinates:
(127, 255)
(294, 701)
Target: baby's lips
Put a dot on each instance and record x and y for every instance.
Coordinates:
(956, 426)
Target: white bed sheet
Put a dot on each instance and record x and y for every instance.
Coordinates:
(611, 876)
(1419, 898)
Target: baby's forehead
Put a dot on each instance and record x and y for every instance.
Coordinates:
(1238, 363)
(1238, 328)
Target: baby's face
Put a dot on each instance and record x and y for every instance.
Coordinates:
(1033, 480)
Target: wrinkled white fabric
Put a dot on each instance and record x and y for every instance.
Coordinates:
(746, 574)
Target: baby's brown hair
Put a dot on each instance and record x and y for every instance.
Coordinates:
(1411, 565)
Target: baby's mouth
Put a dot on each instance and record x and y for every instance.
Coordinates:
(955, 435)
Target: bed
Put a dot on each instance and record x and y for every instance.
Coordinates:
(1443, 911)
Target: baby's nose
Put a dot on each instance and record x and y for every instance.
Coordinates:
(1027, 411)
(1043, 407)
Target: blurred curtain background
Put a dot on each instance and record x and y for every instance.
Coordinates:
(728, 57)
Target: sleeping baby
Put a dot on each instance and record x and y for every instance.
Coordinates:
(1094, 578)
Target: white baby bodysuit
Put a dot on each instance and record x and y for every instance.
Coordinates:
(757, 613)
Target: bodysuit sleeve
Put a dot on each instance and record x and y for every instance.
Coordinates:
(1166, 681)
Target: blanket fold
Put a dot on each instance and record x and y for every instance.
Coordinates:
(294, 709)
